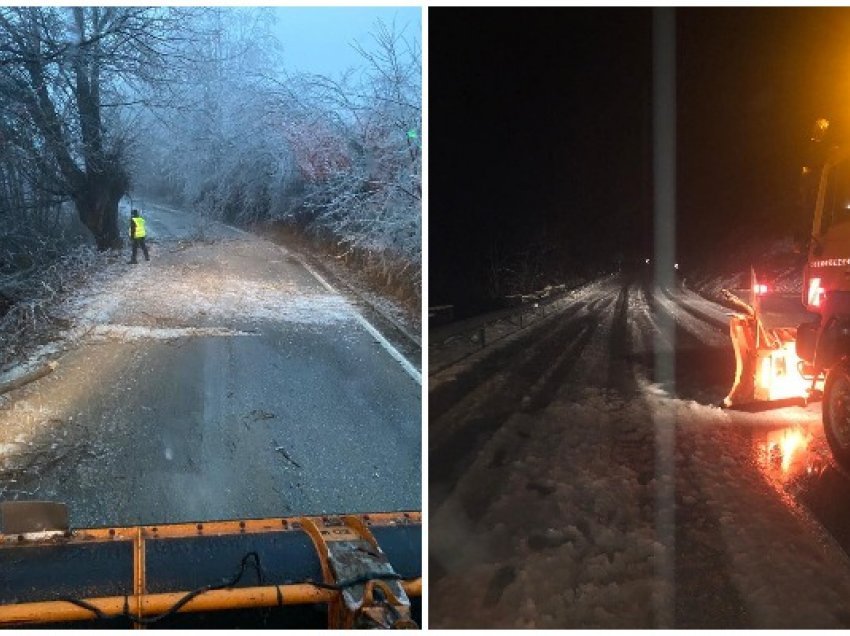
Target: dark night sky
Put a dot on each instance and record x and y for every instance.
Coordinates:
(540, 129)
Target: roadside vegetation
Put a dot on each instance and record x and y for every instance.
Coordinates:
(195, 108)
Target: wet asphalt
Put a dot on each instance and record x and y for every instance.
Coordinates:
(296, 418)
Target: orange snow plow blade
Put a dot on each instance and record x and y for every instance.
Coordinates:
(299, 572)
(742, 330)
(767, 368)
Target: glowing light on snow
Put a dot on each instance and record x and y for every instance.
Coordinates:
(786, 447)
(790, 444)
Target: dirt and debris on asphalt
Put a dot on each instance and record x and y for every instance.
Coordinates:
(219, 380)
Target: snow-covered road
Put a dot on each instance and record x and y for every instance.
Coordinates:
(582, 476)
(220, 380)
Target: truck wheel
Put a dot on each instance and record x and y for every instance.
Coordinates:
(836, 413)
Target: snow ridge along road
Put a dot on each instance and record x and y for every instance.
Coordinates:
(549, 507)
(220, 380)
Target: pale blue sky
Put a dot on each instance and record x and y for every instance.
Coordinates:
(318, 39)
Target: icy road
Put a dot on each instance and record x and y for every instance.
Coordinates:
(570, 488)
(221, 380)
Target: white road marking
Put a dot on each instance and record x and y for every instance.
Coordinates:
(397, 356)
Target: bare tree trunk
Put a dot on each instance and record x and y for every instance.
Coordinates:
(96, 201)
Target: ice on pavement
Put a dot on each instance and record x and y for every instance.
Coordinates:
(127, 333)
(204, 291)
(188, 289)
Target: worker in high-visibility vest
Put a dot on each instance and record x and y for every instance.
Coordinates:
(137, 235)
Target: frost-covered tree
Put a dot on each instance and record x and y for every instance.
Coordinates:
(357, 143)
(216, 152)
(65, 75)
(341, 156)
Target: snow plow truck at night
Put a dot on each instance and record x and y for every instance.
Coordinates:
(793, 347)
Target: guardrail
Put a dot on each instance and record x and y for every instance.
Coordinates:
(453, 342)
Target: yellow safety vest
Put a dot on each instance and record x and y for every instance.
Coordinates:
(140, 227)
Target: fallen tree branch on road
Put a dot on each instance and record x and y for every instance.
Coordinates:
(25, 379)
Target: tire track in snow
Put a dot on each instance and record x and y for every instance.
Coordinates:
(620, 376)
(468, 378)
(503, 374)
(526, 510)
(589, 364)
(538, 398)
(544, 390)
(576, 369)
(631, 446)
(466, 452)
(476, 418)
(721, 324)
(687, 322)
(598, 304)
(652, 332)
(704, 594)
(702, 358)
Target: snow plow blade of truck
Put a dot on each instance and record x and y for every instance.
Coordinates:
(300, 572)
(764, 333)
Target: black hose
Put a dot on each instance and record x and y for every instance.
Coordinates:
(232, 582)
(147, 620)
